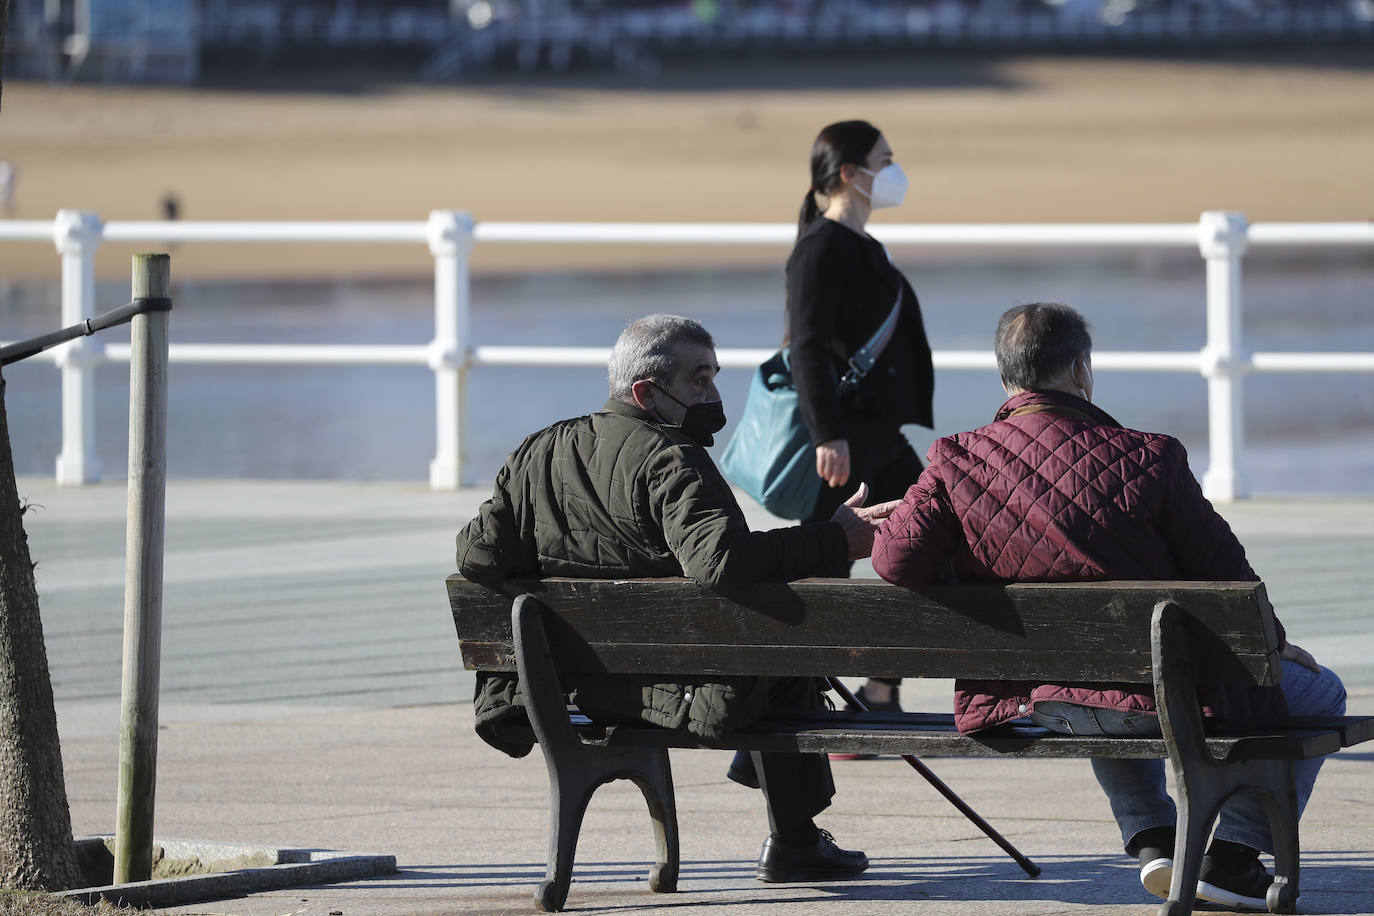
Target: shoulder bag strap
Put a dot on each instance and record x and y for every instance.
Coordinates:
(861, 363)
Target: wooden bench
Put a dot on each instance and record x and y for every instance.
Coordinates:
(1176, 635)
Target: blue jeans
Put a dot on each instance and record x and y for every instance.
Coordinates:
(1135, 788)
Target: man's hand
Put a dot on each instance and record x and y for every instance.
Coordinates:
(860, 523)
(1298, 654)
(832, 462)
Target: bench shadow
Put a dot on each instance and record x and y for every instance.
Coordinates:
(1347, 754)
(1332, 882)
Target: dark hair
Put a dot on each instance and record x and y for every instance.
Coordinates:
(841, 143)
(1038, 341)
(645, 351)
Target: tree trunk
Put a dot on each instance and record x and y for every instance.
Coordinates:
(36, 848)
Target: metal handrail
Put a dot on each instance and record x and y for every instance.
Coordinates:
(16, 352)
(1221, 238)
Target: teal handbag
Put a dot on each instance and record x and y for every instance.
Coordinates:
(770, 455)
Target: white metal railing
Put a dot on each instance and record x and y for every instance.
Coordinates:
(1222, 239)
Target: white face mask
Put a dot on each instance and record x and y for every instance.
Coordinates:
(889, 186)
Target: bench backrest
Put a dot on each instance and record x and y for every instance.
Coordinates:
(1098, 631)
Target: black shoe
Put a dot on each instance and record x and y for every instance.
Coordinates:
(892, 705)
(1239, 885)
(824, 861)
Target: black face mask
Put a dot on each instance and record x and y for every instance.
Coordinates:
(701, 421)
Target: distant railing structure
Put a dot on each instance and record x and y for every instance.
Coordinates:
(1222, 239)
(166, 41)
(557, 35)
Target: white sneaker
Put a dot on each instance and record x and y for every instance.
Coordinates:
(1156, 875)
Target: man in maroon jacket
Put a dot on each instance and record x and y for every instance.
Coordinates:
(1055, 490)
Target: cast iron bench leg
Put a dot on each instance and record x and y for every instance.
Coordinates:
(574, 776)
(576, 770)
(1204, 783)
(1281, 804)
(1203, 787)
(655, 780)
(569, 791)
(1199, 801)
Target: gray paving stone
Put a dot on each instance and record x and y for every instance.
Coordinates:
(312, 698)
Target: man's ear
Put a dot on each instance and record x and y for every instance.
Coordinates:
(643, 392)
(1078, 372)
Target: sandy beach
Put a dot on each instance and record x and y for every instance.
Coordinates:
(1018, 139)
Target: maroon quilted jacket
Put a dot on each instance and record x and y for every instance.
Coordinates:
(1055, 490)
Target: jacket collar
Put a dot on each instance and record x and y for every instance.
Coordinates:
(1055, 402)
(633, 411)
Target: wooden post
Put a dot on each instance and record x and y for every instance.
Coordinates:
(143, 573)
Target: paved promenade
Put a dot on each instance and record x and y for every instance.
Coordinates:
(312, 697)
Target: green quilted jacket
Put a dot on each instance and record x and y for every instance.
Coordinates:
(619, 495)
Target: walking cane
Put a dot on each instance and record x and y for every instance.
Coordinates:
(1027, 865)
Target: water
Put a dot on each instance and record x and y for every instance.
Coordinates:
(1309, 432)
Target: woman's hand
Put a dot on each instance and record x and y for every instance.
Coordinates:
(832, 462)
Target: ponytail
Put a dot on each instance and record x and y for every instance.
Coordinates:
(809, 212)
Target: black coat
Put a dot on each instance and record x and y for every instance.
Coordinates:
(840, 288)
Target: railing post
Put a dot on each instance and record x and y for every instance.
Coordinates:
(77, 235)
(1222, 238)
(133, 854)
(450, 241)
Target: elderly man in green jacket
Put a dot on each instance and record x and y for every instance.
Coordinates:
(630, 492)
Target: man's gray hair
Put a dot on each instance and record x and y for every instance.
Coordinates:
(1039, 341)
(645, 351)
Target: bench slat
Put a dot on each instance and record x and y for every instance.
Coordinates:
(1081, 631)
(1352, 729)
(943, 740)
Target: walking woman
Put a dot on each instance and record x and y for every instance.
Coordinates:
(841, 289)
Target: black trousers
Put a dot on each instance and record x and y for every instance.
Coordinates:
(880, 456)
(796, 787)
